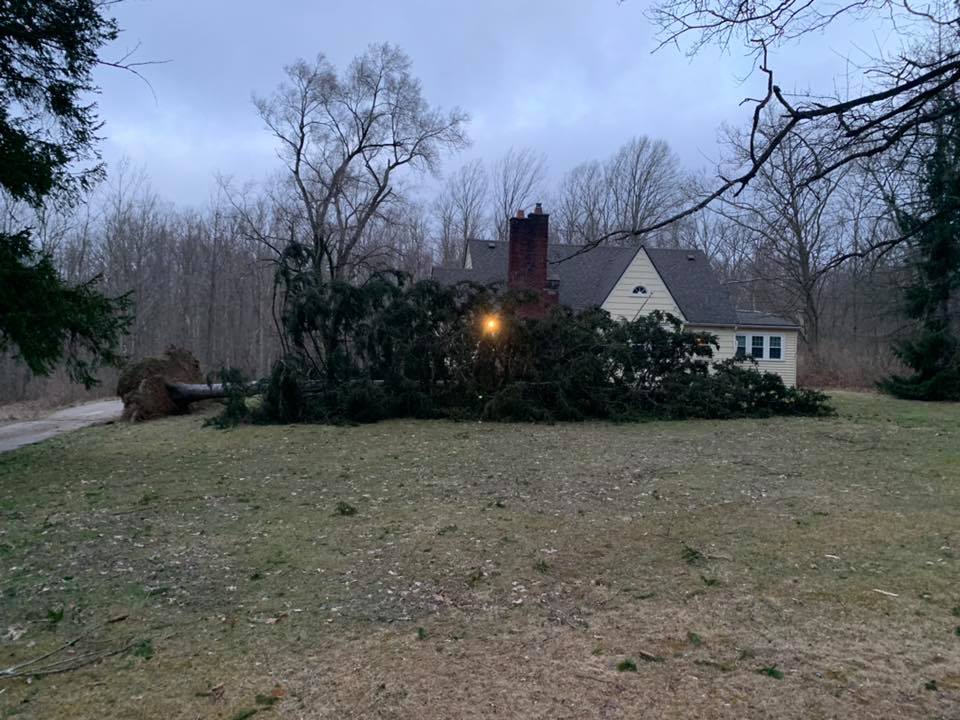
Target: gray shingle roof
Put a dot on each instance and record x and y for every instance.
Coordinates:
(452, 276)
(759, 318)
(587, 279)
(694, 285)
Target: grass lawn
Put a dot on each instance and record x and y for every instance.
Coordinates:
(789, 568)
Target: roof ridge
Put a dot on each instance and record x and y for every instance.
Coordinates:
(552, 244)
(674, 249)
(598, 247)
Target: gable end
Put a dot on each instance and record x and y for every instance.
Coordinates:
(653, 294)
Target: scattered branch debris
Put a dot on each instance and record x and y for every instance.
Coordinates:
(34, 668)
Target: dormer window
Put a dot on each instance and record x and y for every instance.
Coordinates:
(640, 290)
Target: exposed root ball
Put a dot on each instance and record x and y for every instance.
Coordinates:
(143, 385)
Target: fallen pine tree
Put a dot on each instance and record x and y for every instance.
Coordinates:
(156, 387)
(391, 349)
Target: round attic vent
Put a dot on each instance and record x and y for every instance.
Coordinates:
(639, 290)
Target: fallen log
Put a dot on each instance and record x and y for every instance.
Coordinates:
(185, 393)
(156, 387)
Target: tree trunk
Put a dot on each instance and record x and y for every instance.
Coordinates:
(186, 393)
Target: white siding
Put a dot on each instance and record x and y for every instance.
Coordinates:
(786, 368)
(622, 303)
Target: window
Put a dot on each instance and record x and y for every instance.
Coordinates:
(775, 350)
(762, 347)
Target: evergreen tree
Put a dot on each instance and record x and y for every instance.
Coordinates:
(933, 352)
(48, 136)
(393, 348)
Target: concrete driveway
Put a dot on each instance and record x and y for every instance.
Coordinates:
(18, 434)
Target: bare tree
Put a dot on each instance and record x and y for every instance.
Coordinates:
(132, 249)
(636, 186)
(459, 207)
(515, 179)
(906, 89)
(447, 242)
(862, 297)
(406, 241)
(643, 180)
(469, 190)
(728, 246)
(583, 211)
(795, 228)
(343, 139)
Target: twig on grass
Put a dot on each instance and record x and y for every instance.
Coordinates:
(33, 668)
(169, 501)
(594, 678)
(75, 663)
(648, 656)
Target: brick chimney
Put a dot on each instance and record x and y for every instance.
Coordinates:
(527, 266)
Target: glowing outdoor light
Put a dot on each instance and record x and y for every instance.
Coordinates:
(491, 325)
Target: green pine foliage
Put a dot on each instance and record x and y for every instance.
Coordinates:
(48, 50)
(235, 409)
(392, 348)
(933, 351)
(48, 136)
(49, 322)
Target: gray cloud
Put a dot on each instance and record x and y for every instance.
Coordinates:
(569, 78)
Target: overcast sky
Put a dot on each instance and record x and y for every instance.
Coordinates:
(573, 79)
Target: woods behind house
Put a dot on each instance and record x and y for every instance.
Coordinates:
(372, 177)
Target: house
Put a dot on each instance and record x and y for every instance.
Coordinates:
(627, 282)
